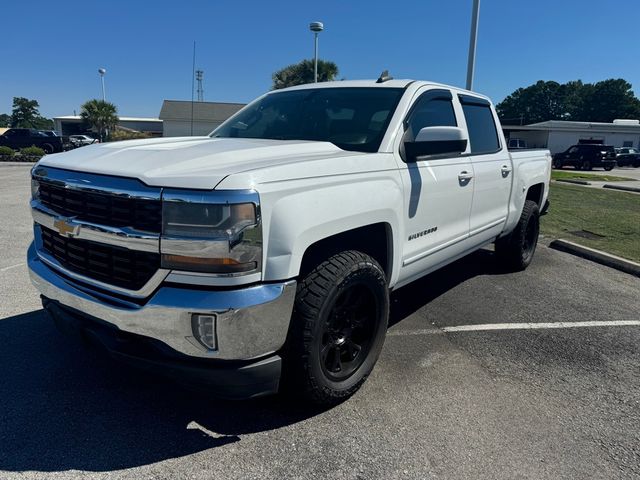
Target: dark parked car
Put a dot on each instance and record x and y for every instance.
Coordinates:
(18, 138)
(628, 157)
(586, 156)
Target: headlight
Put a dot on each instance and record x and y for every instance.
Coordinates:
(35, 186)
(211, 233)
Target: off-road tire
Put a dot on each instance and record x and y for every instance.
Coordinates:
(515, 251)
(318, 295)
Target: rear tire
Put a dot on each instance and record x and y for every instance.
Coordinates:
(515, 251)
(337, 330)
(608, 168)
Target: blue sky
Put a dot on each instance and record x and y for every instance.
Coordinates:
(52, 50)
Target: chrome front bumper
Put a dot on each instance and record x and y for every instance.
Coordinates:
(251, 322)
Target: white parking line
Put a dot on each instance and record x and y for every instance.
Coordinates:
(4, 269)
(517, 326)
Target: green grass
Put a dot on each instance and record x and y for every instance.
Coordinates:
(575, 175)
(614, 215)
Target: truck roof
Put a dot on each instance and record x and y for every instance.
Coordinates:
(399, 83)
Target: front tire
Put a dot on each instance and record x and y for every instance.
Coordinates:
(608, 168)
(515, 251)
(338, 328)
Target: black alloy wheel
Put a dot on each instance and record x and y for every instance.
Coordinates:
(337, 329)
(348, 332)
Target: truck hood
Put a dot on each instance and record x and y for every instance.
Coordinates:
(188, 162)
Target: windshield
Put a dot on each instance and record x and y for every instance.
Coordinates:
(350, 118)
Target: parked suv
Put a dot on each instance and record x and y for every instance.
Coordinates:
(628, 157)
(586, 156)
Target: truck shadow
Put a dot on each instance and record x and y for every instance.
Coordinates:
(407, 300)
(65, 407)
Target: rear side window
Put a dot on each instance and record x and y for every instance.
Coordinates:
(483, 134)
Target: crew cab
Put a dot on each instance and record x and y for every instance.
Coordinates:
(586, 156)
(18, 138)
(261, 258)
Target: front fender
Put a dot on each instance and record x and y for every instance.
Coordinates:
(301, 215)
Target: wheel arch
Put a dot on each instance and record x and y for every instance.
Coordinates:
(375, 240)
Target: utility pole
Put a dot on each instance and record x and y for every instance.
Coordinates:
(193, 81)
(471, 65)
(200, 90)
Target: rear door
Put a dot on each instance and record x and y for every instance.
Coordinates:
(491, 166)
(438, 190)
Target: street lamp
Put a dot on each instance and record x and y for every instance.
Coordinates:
(471, 65)
(316, 28)
(101, 72)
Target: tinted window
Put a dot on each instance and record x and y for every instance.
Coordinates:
(483, 135)
(432, 112)
(351, 118)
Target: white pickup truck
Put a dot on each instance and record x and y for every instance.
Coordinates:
(262, 257)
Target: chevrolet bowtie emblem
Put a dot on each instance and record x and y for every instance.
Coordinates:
(65, 228)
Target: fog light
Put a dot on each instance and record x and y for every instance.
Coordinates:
(204, 329)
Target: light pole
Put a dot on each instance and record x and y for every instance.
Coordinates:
(316, 28)
(471, 66)
(101, 72)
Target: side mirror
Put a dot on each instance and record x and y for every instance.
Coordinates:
(436, 141)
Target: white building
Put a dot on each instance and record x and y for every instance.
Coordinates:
(74, 125)
(558, 135)
(184, 118)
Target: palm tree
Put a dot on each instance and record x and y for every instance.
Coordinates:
(302, 72)
(100, 115)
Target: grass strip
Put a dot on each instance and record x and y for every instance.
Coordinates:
(606, 220)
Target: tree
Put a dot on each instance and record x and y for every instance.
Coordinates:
(5, 120)
(302, 72)
(610, 99)
(25, 114)
(101, 116)
(600, 102)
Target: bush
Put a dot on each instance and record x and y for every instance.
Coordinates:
(32, 151)
(7, 151)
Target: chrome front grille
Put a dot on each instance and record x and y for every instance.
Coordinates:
(103, 208)
(99, 230)
(129, 269)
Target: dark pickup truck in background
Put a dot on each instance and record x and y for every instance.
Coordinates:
(586, 156)
(18, 138)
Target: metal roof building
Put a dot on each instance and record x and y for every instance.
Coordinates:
(558, 135)
(184, 118)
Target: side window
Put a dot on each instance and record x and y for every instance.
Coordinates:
(483, 134)
(432, 110)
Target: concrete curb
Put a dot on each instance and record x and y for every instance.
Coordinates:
(611, 261)
(622, 187)
(577, 182)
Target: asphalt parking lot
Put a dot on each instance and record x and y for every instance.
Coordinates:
(441, 403)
